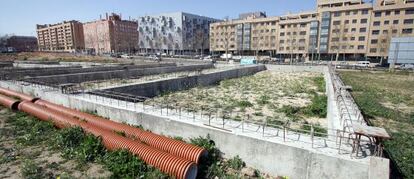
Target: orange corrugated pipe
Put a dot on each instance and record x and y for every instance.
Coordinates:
(9, 102)
(168, 163)
(179, 148)
(23, 97)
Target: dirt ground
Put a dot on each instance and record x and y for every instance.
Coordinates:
(260, 96)
(38, 161)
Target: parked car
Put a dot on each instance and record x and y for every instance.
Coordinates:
(226, 56)
(126, 56)
(363, 64)
(407, 67)
(155, 58)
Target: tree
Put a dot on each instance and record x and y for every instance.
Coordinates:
(293, 43)
(226, 34)
(338, 36)
(384, 43)
(200, 39)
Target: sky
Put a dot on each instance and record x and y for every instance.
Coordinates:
(20, 17)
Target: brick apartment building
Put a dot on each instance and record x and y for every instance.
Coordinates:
(62, 37)
(353, 29)
(111, 35)
(19, 43)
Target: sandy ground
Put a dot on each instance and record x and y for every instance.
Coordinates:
(260, 96)
(46, 163)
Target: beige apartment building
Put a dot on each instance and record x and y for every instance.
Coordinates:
(111, 35)
(62, 37)
(349, 29)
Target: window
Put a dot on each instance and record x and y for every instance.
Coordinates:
(377, 23)
(354, 21)
(374, 41)
(386, 22)
(313, 32)
(352, 38)
(375, 32)
(373, 50)
(395, 22)
(377, 14)
(346, 21)
(361, 47)
(397, 12)
(362, 38)
(282, 34)
(363, 30)
(302, 33)
(347, 13)
(336, 22)
(408, 21)
(387, 13)
(282, 26)
(345, 39)
(364, 12)
(337, 14)
(324, 32)
(394, 31)
(324, 40)
(355, 12)
(346, 30)
(385, 32)
(336, 39)
(407, 31)
(282, 41)
(364, 21)
(409, 11)
(353, 30)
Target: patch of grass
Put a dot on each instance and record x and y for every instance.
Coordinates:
(244, 104)
(318, 107)
(371, 92)
(263, 100)
(123, 164)
(320, 83)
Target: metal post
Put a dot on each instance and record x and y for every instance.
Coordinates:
(180, 112)
(284, 133)
(312, 134)
(243, 125)
(167, 109)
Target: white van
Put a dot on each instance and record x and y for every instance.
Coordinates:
(364, 64)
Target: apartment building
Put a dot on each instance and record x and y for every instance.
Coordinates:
(20, 43)
(174, 33)
(111, 35)
(349, 29)
(390, 18)
(62, 37)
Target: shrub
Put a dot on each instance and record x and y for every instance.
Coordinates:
(31, 170)
(209, 166)
(236, 163)
(244, 104)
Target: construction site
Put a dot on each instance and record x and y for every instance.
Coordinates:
(280, 120)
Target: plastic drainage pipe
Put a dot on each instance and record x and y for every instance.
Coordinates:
(178, 148)
(9, 102)
(22, 96)
(168, 163)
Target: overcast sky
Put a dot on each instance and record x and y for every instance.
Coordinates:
(20, 17)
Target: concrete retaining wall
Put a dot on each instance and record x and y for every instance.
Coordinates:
(19, 74)
(156, 88)
(104, 75)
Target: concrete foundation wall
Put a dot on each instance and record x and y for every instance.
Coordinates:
(279, 159)
(125, 73)
(156, 88)
(34, 72)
